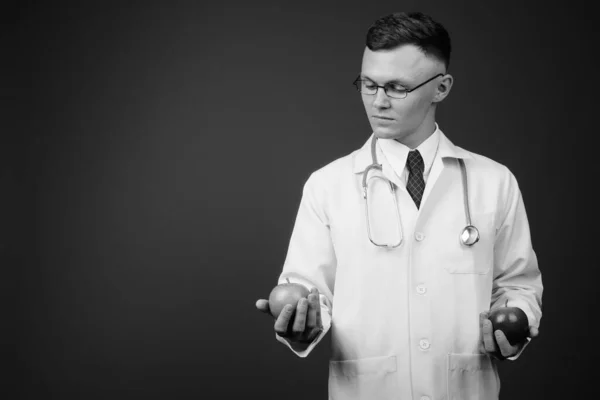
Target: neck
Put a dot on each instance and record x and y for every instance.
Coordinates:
(417, 137)
(421, 132)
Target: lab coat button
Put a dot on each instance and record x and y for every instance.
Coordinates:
(419, 236)
(424, 344)
(421, 289)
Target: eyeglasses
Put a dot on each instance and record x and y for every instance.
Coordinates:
(393, 90)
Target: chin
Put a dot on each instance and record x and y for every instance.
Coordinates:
(383, 133)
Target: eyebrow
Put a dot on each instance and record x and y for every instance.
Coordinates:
(398, 81)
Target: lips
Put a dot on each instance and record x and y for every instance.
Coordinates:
(382, 117)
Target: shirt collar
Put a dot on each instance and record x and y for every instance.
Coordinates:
(362, 157)
(396, 153)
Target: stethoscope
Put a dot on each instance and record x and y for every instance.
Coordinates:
(469, 235)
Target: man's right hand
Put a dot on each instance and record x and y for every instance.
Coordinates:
(307, 323)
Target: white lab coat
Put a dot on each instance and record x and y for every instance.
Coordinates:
(405, 322)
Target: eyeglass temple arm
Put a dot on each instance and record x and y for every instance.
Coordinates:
(427, 81)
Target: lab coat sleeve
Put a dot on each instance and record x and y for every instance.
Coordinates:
(517, 277)
(311, 259)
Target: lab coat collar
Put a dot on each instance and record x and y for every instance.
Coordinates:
(362, 157)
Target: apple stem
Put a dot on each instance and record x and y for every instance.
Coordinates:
(288, 279)
(506, 304)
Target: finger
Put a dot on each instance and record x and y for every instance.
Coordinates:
(481, 344)
(506, 349)
(263, 305)
(482, 318)
(313, 305)
(533, 332)
(300, 321)
(283, 321)
(488, 337)
(319, 323)
(482, 347)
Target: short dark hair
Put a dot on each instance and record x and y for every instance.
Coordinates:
(416, 28)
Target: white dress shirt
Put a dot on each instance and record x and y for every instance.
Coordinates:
(396, 154)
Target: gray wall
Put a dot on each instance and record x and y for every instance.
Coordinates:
(153, 161)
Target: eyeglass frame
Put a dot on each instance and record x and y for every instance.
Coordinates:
(385, 87)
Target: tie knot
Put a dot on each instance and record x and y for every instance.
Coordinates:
(415, 162)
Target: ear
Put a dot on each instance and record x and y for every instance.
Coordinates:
(443, 88)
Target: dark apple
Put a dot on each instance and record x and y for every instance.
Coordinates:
(512, 321)
(284, 294)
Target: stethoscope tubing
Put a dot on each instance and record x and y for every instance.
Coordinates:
(468, 236)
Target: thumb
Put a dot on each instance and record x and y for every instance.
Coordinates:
(533, 332)
(263, 305)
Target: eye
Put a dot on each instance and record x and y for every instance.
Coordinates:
(396, 89)
(369, 84)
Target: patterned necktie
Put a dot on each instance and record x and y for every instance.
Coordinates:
(416, 183)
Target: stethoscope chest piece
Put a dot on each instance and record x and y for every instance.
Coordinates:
(469, 236)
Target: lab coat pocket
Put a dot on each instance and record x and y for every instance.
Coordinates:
(366, 378)
(472, 377)
(475, 259)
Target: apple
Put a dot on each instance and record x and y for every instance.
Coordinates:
(512, 321)
(284, 294)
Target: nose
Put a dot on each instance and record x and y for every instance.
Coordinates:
(381, 99)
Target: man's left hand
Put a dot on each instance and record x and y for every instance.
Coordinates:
(495, 343)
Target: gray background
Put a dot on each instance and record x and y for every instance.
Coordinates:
(153, 159)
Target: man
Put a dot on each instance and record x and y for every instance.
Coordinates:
(405, 292)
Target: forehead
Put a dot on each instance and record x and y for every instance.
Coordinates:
(404, 63)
